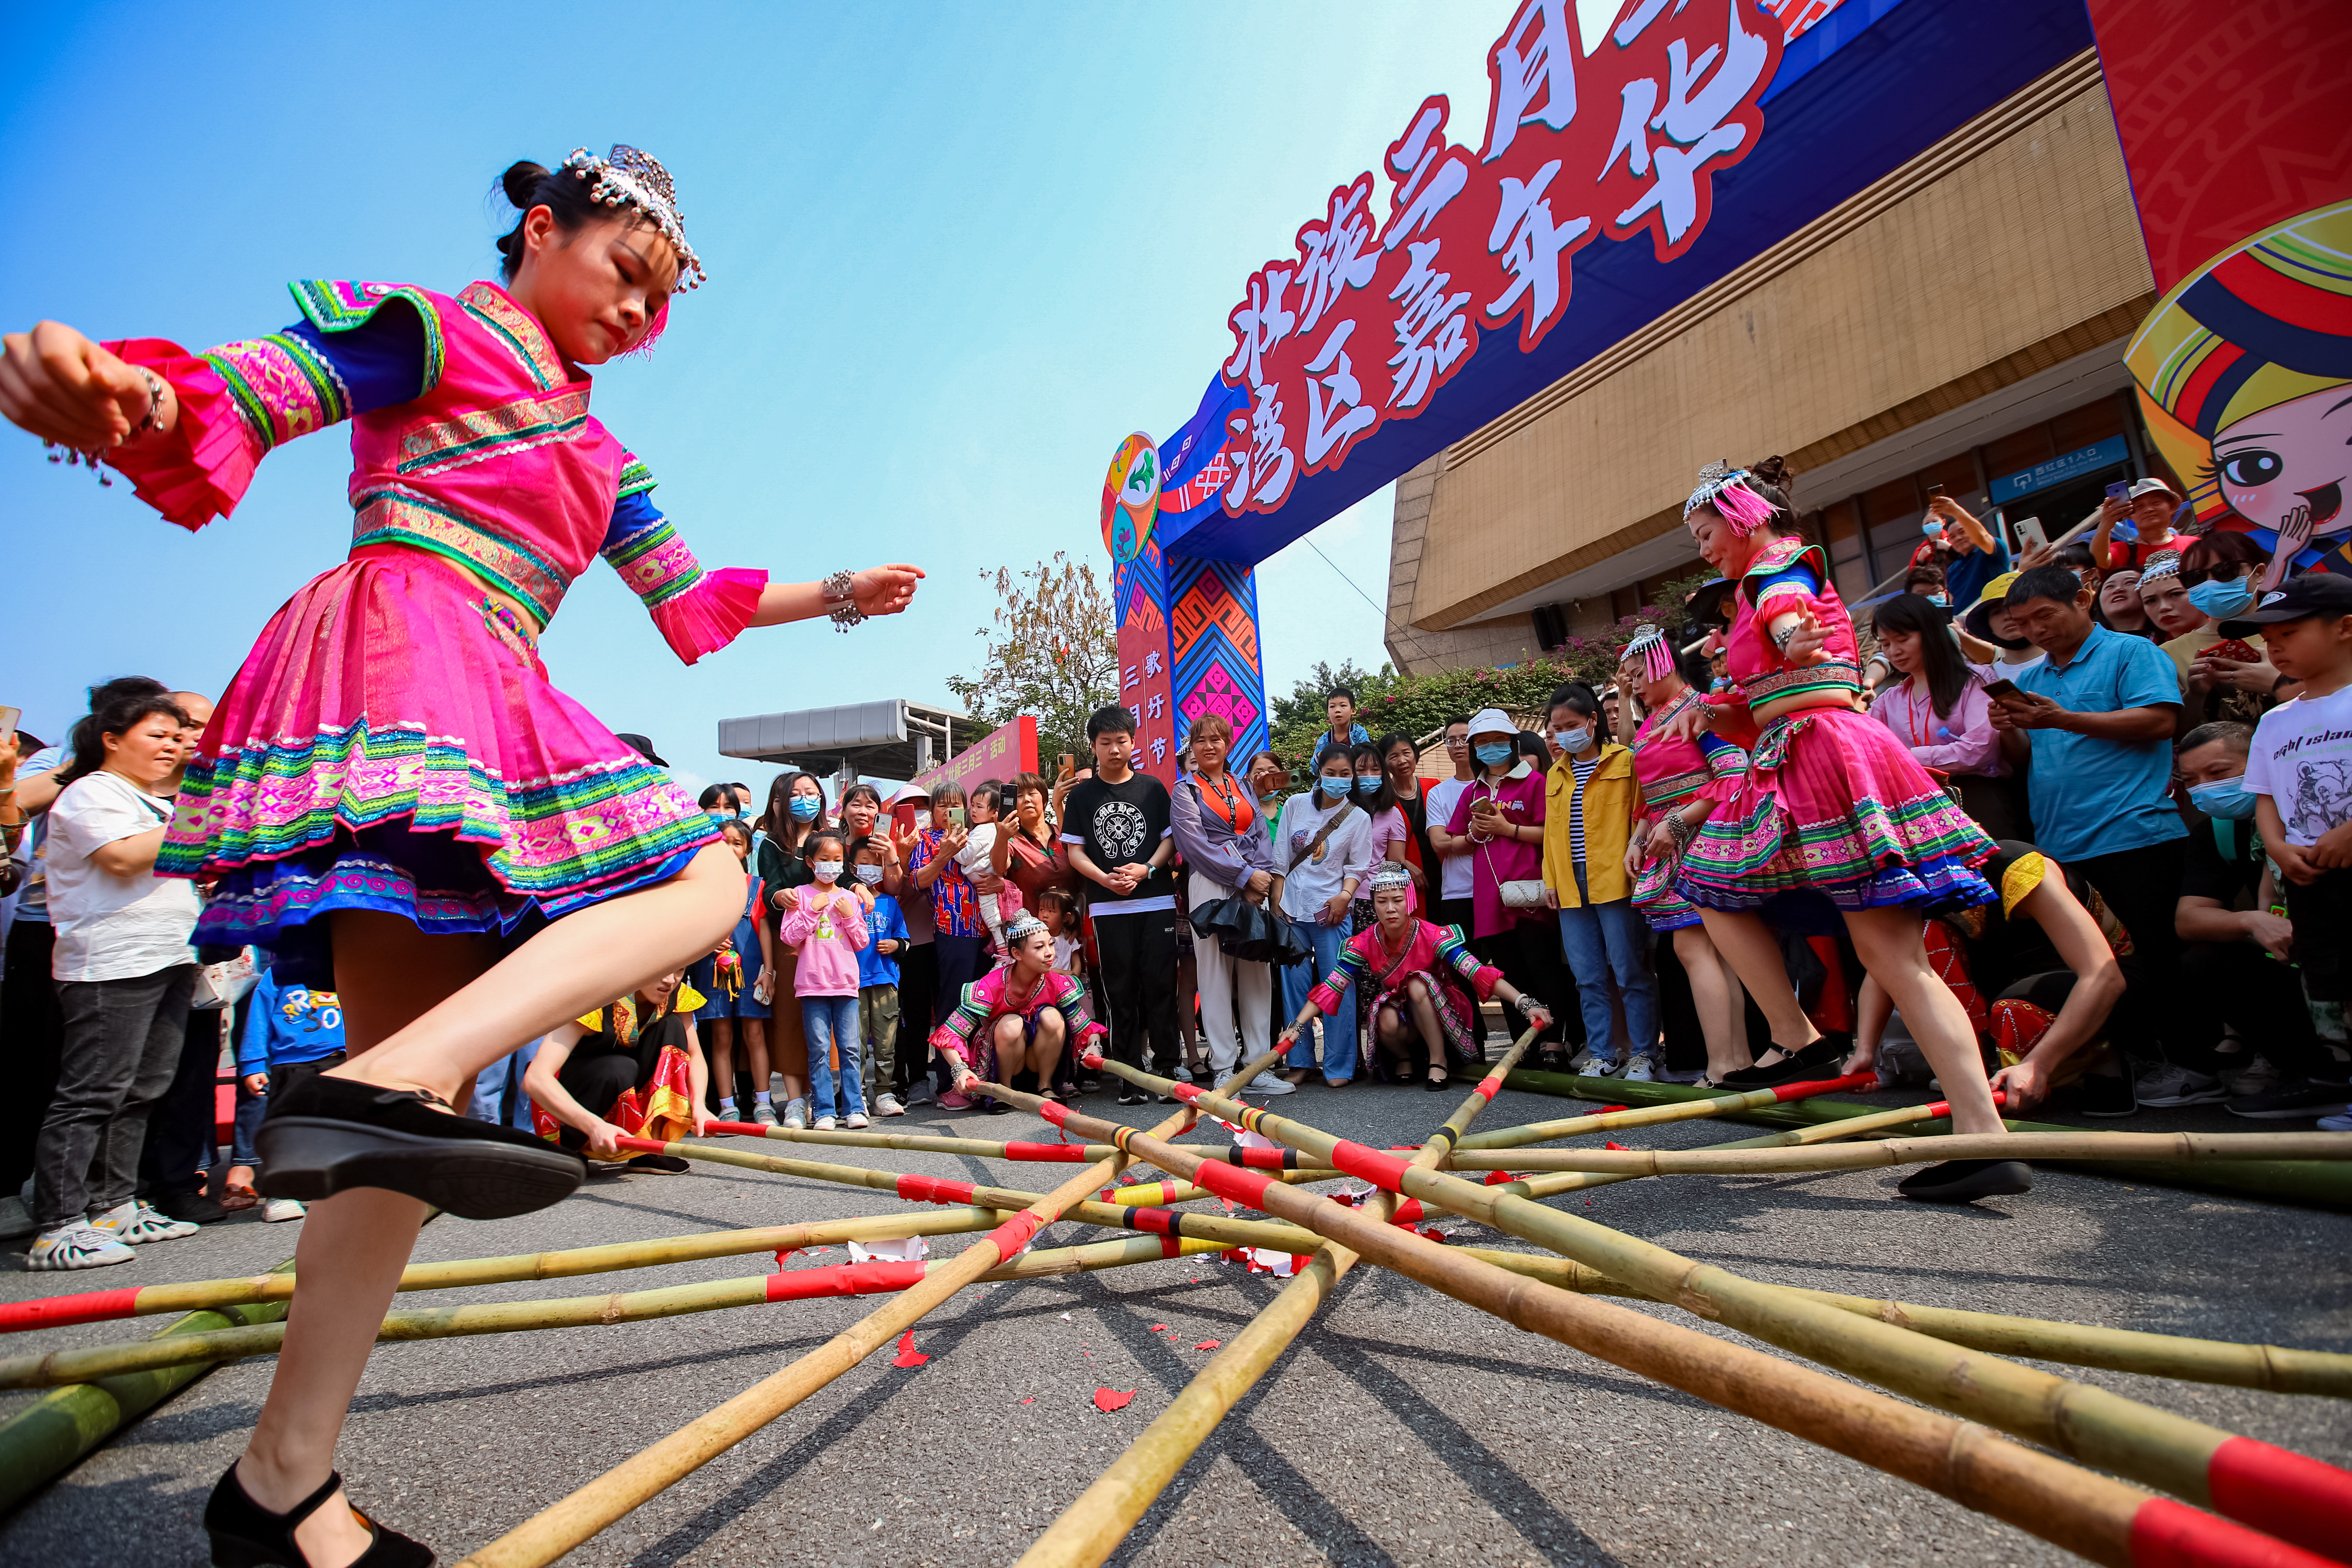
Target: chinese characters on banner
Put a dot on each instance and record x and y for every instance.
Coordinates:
(1144, 690)
(1614, 136)
(999, 754)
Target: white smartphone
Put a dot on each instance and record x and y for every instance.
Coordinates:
(2030, 534)
(8, 717)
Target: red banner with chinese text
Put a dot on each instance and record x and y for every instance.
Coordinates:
(999, 754)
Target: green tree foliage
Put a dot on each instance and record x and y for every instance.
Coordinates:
(1415, 705)
(1050, 650)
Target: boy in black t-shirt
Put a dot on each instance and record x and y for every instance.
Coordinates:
(1116, 827)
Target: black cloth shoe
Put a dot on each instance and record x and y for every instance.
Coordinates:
(994, 1106)
(246, 1535)
(664, 1164)
(190, 1205)
(328, 1135)
(1130, 1095)
(1965, 1181)
(2107, 1094)
(1805, 1064)
(1435, 1085)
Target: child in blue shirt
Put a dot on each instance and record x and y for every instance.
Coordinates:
(291, 1033)
(877, 982)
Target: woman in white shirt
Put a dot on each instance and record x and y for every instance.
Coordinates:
(124, 973)
(1939, 709)
(1317, 873)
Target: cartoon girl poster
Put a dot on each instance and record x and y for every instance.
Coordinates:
(2245, 377)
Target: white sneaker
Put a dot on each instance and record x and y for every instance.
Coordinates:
(277, 1211)
(1267, 1083)
(1589, 1063)
(2167, 1085)
(1640, 1070)
(16, 1219)
(824, 1123)
(796, 1115)
(857, 1121)
(888, 1105)
(77, 1243)
(138, 1225)
(765, 1115)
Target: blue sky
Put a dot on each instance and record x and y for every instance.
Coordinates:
(956, 253)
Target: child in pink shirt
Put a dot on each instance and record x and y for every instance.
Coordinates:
(826, 926)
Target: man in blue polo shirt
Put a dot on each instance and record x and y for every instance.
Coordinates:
(2100, 711)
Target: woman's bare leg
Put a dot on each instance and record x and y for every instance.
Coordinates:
(755, 1051)
(1010, 1047)
(719, 1043)
(1716, 996)
(1747, 944)
(1433, 1036)
(387, 973)
(1891, 946)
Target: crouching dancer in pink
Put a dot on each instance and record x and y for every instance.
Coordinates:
(1020, 1016)
(391, 797)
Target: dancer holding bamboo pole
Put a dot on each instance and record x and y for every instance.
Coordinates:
(1831, 806)
(2080, 1510)
(1018, 1016)
(2272, 1488)
(391, 795)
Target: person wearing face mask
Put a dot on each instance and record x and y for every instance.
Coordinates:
(1499, 821)
(1392, 834)
(919, 965)
(796, 809)
(827, 927)
(1590, 800)
(1928, 582)
(877, 977)
(1322, 853)
(2236, 943)
(2222, 679)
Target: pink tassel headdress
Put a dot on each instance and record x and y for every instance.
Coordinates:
(1650, 645)
(1721, 487)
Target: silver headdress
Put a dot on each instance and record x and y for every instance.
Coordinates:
(1023, 928)
(1720, 486)
(1649, 645)
(636, 178)
(1391, 876)
(2167, 565)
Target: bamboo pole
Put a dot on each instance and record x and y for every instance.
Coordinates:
(2069, 1146)
(1091, 1528)
(922, 1144)
(90, 1365)
(2271, 1489)
(2087, 1514)
(556, 1530)
(1682, 1111)
(102, 1306)
(2273, 1367)
(2312, 1183)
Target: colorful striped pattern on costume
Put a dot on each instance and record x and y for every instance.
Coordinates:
(403, 517)
(635, 477)
(520, 335)
(282, 386)
(654, 562)
(1830, 675)
(551, 836)
(965, 1032)
(337, 307)
(468, 435)
(1354, 965)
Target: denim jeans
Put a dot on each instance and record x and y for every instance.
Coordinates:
(831, 1022)
(250, 1109)
(123, 1044)
(1299, 979)
(498, 1090)
(1605, 940)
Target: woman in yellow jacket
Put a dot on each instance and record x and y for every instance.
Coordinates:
(1590, 802)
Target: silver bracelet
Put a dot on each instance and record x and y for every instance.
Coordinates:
(154, 420)
(840, 592)
(1785, 636)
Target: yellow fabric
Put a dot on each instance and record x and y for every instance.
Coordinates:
(2184, 649)
(2024, 875)
(1610, 796)
(687, 999)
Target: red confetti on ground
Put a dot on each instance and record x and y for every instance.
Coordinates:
(1109, 1399)
(1613, 1146)
(1159, 1327)
(1030, 1400)
(1208, 1344)
(908, 1354)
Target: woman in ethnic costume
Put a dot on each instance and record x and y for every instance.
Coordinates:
(391, 795)
(1682, 777)
(1022, 1016)
(1833, 806)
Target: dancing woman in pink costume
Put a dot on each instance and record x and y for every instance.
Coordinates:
(1829, 808)
(391, 797)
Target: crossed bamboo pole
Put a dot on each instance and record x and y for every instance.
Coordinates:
(2272, 1490)
(1090, 1529)
(2040, 1146)
(2089, 1515)
(1683, 1111)
(559, 1528)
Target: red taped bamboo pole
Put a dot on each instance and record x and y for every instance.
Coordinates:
(2039, 1146)
(2271, 1489)
(1682, 1111)
(922, 1144)
(2087, 1514)
(1091, 1528)
(556, 1530)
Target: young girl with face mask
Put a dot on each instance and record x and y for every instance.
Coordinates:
(1322, 853)
(826, 927)
(392, 795)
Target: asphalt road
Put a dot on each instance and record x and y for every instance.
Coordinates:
(1401, 1428)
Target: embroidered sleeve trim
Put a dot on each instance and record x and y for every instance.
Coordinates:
(655, 563)
(283, 387)
(635, 477)
(338, 307)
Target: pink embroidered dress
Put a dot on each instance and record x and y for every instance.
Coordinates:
(1831, 801)
(1673, 772)
(1378, 973)
(968, 1034)
(391, 742)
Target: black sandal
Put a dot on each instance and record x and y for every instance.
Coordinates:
(328, 1136)
(1804, 1064)
(246, 1535)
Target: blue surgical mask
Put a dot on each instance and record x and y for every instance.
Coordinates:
(1367, 786)
(1942, 601)
(1932, 527)
(1335, 786)
(2223, 797)
(2220, 598)
(804, 807)
(1495, 753)
(1572, 739)
(870, 875)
